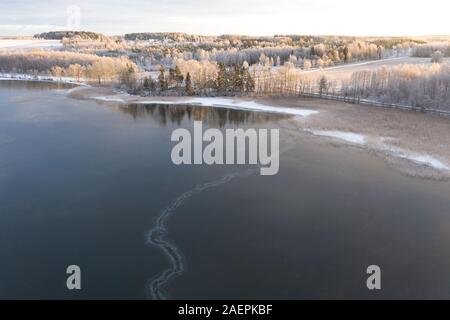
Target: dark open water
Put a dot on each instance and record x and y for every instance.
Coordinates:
(82, 183)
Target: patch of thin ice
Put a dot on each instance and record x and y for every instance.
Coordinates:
(430, 161)
(341, 135)
(235, 104)
(110, 99)
(423, 159)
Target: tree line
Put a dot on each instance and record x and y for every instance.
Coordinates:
(419, 86)
(64, 64)
(149, 50)
(426, 51)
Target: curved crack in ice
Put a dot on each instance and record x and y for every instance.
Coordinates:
(159, 234)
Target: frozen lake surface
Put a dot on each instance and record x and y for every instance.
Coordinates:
(83, 182)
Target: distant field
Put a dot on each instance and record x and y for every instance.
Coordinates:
(29, 44)
(345, 71)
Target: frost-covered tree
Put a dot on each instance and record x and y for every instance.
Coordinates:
(323, 85)
(418, 86)
(176, 78)
(307, 64)
(437, 57)
(128, 78)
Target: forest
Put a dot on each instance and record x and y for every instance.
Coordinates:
(418, 86)
(65, 64)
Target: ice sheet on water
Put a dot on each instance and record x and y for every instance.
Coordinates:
(341, 135)
(236, 104)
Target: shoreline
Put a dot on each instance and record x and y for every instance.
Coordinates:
(416, 143)
(42, 78)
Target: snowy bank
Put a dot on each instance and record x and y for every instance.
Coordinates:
(422, 159)
(219, 103)
(28, 77)
(345, 136)
(110, 99)
(381, 145)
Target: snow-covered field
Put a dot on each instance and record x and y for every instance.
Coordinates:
(29, 44)
(343, 72)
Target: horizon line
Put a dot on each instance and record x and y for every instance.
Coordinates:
(237, 34)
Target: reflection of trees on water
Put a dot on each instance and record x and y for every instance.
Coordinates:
(220, 117)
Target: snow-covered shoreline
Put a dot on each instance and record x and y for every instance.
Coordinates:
(229, 103)
(358, 139)
(40, 78)
(381, 144)
(124, 98)
(349, 137)
(240, 105)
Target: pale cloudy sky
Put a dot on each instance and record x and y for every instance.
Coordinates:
(253, 17)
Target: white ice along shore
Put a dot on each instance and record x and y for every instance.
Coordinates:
(240, 105)
(29, 77)
(110, 99)
(346, 136)
(218, 103)
(359, 139)
(423, 159)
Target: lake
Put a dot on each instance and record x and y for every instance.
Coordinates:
(83, 182)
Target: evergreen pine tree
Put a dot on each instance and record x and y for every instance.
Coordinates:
(188, 86)
(175, 77)
(178, 76)
(323, 85)
(146, 84)
(162, 79)
(222, 78)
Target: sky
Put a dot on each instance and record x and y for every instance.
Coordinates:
(215, 17)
